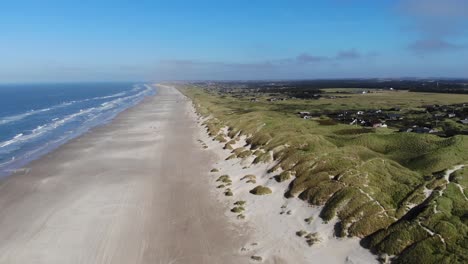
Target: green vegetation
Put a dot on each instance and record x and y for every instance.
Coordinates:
(249, 177)
(309, 220)
(214, 170)
(301, 233)
(238, 209)
(284, 176)
(220, 138)
(228, 192)
(233, 156)
(373, 181)
(224, 179)
(240, 203)
(312, 238)
(256, 258)
(260, 190)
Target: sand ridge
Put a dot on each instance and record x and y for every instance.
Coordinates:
(275, 221)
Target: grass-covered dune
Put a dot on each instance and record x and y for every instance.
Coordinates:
(381, 185)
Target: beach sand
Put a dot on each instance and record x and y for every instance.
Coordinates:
(133, 191)
(140, 190)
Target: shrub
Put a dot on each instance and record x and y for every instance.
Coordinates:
(220, 138)
(301, 233)
(249, 177)
(284, 176)
(256, 258)
(224, 178)
(244, 154)
(238, 209)
(260, 190)
(232, 156)
(228, 146)
(312, 238)
(263, 158)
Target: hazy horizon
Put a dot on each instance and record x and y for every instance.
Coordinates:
(54, 41)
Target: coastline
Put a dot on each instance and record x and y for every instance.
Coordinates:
(17, 163)
(276, 221)
(134, 190)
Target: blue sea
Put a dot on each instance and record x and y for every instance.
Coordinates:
(36, 118)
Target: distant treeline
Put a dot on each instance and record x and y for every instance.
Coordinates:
(307, 87)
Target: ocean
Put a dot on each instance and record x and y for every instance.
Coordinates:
(37, 118)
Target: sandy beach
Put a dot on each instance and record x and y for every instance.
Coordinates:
(276, 220)
(133, 191)
(140, 190)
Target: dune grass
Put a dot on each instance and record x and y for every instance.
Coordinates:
(260, 190)
(284, 176)
(365, 178)
(238, 209)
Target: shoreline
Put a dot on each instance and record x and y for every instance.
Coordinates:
(17, 164)
(121, 193)
(279, 224)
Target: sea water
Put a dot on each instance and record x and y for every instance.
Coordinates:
(36, 118)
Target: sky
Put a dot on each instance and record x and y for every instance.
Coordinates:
(61, 41)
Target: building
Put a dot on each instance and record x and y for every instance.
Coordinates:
(464, 121)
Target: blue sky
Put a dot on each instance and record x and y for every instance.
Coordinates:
(47, 41)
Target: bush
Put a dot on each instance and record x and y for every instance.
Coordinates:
(284, 176)
(228, 146)
(224, 178)
(261, 190)
(309, 220)
(263, 158)
(312, 238)
(232, 156)
(238, 209)
(244, 154)
(256, 258)
(249, 177)
(301, 233)
(220, 138)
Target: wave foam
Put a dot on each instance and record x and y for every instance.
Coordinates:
(92, 113)
(18, 117)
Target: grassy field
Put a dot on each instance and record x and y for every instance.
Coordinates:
(383, 186)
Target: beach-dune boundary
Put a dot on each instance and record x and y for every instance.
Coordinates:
(283, 230)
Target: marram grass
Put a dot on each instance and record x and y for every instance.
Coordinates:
(373, 181)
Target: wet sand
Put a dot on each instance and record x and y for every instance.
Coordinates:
(133, 191)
